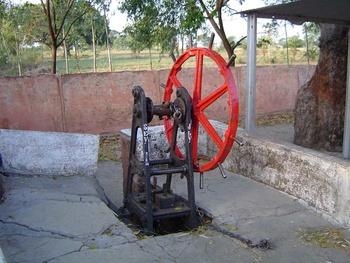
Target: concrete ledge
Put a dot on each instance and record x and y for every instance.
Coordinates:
(322, 181)
(48, 153)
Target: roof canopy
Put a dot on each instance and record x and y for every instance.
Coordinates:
(319, 11)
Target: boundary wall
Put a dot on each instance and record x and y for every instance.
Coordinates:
(96, 103)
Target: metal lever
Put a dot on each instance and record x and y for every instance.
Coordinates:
(232, 59)
(222, 171)
(240, 142)
(173, 57)
(211, 42)
(201, 180)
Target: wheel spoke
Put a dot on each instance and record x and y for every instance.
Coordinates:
(207, 101)
(210, 130)
(198, 79)
(194, 131)
(175, 81)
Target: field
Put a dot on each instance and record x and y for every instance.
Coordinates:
(125, 60)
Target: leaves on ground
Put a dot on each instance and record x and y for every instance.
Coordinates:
(230, 227)
(109, 148)
(270, 119)
(326, 238)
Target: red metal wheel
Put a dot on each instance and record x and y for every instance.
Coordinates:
(226, 90)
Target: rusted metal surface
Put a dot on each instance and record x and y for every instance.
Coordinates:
(153, 202)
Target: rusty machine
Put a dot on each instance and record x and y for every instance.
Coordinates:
(182, 113)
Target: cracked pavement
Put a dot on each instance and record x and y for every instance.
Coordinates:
(66, 219)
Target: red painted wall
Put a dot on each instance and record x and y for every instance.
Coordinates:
(102, 102)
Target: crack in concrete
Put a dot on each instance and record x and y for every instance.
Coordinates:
(53, 233)
(174, 259)
(63, 255)
(142, 249)
(182, 251)
(269, 212)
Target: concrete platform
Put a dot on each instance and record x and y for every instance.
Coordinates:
(66, 219)
(50, 218)
(48, 153)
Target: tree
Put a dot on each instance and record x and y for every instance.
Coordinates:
(105, 8)
(144, 17)
(186, 17)
(214, 11)
(234, 44)
(263, 44)
(12, 35)
(16, 34)
(294, 43)
(159, 22)
(320, 103)
(312, 33)
(204, 39)
(61, 15)
(121, 41)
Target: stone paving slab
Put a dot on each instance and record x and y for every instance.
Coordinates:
(42, 218)
(182, 247)
(253, 211)
(66, 219)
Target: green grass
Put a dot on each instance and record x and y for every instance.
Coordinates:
(121, 61)
(125, 60)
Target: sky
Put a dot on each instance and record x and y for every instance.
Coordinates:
(234, 26)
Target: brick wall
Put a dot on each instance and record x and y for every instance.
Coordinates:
(102, 102)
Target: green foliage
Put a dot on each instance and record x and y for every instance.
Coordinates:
(144, 22)
(263, 42)
(295, 42)
(159, 22)
(192, 18)
(312, 53)
(312, 32)
(121, 41)
(204, 39)
(272, 28)
(235, 43)
(83, 28)
(16, 33)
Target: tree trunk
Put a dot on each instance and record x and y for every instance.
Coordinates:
(286, 33)
(108, 45)
(65, 51)
(77, 57)
(307, 45)
(150, 58)
(320, 105)
(53, 58)
(93, 43)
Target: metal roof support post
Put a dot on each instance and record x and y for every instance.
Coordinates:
(346, 140)
(251, 73)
